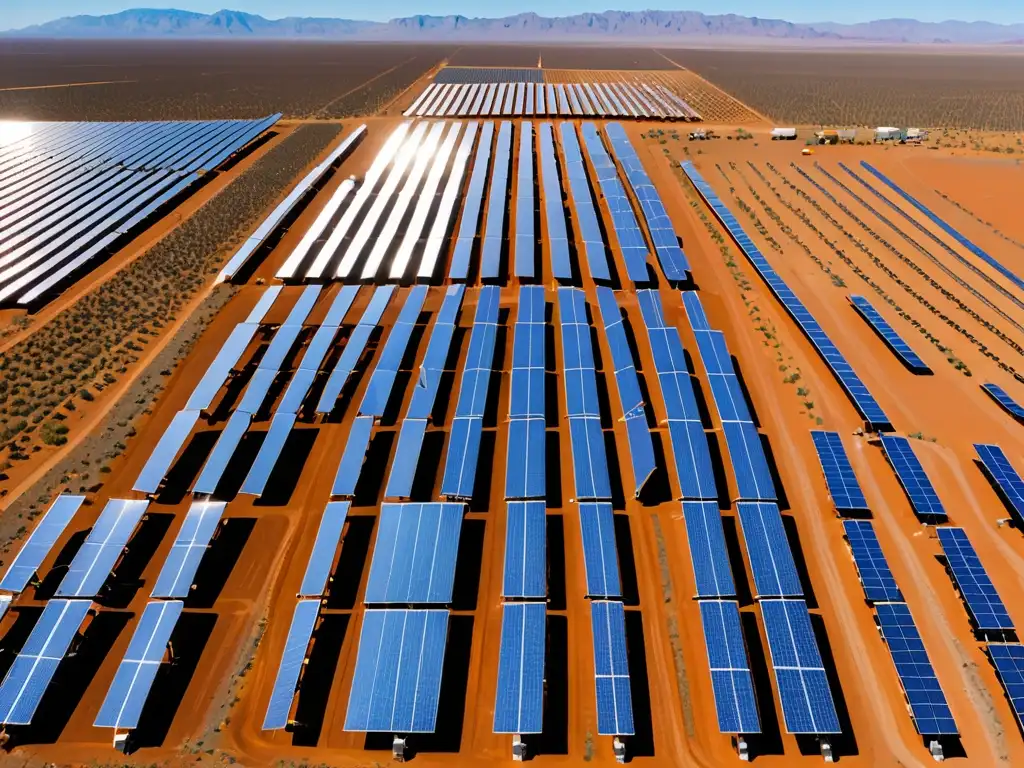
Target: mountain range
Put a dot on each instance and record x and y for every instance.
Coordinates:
(621, 25)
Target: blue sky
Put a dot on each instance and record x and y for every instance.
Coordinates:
(19, 13)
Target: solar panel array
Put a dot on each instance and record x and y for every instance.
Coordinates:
(30, 557)
(856, 389)
(1000, 395)
(557, 235)
(894, 341)
(1006, 478)
(591, 238)
(843, 487)
(771, 559)
(525, 239)
(489, 75)
(611, 669)
(476, 95)
(102, 548)
(875, 577)
(69, 192)
(923, 498)
(1008, 659)
(731, 681)
(979, 593)
(179, 570)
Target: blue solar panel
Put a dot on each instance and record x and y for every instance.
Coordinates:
(102, 548)
(34, 667)
(692, 459)
(292, 661)
(1005, 476)
(695, 311)
(134, 678)
(928, 706)
(470, 222)
(525, 550)
(526, 463)
(983, 601)
(731, 681)
(589, 459)
(339, 308)
(222, 452)
(895, 342)
(179, 570)
(414, 557)
(1008, 660)
(855, 388)
(480, 358)
(843, 487)
(461, 461)
(436, 356)
(593, 245)
(519, 701)
(259, 474)
(494, 227)
(397, 680)
(225, 361)
(525, 238)
(708, 553)
(347, 476)
(378, 390)
(875, 576)
(1000, 395)
(806, 696)
(771, 559)
(611, 669)
(170, 443)
(556, 236)
(600, 557)
(912, 477)
(407, 456)
(321, 559)
(30, 557)
(753, 477)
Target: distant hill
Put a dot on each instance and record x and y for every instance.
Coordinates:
(664, 25)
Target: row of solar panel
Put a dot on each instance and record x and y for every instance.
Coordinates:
(858, 392)
(521, 99)
(68, 194)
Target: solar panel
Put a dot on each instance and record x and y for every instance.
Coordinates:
(843, 487)
(525, 238)
(102, 548)
(912, 477)
(862, 398)
(525, 469)
(166, 449)
(731, 680)
(804, 691)
(321, 559)
(600, 557)
(30, 557)
(525, 550)
(34, 667)
(1000, 395)
(470, 222)
(382, 381)
(435, 359)
(771, 559)
(407, 456)
(255, 482)
(611, 669)
(519, 700)
(414, 557)
(397, 681)
(1010, 484)
(222, 452)
(263, 304)
(480, 358)
(557, 236)
(753, 477)
(928, 707)
(179, 570)
(708, 554)
(222, 365)
(461, 461)
(293, 659)
(347, 476)
(889, 335)
(875, 576)
(126, 697)
(978, 591)
(1008, 659)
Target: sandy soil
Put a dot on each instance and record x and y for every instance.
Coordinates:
(259, 556)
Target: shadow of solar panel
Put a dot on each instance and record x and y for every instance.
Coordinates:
(866, 405)
(843, 487)
(414, 556)
(771, 559)
(122, 707)
(708, 554)
(292, 661)
(519, 701)
(875, 577)
(978, 591)
(894, 341)
(912, 476)
(30, 557)
(525, 550)
(804, 691)
(397, 682)
(179, 569)
(998, 466)
(611, 669)
(102, 548)
(34, 667)
(1000, 395)
(1008, 659)
(731, 680)
(928, 706)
